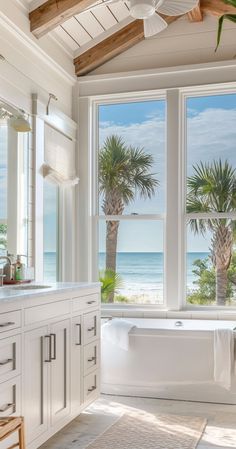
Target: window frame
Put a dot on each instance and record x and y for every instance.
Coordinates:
(202, 91)
(175, 220)
(96, 103)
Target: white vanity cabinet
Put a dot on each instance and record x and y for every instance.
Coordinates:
(49, 359)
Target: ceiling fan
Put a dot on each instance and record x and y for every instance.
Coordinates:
(148, 11)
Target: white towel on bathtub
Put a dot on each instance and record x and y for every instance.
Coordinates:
(117, 331)
(223, 357)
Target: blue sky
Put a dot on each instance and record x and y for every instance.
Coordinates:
(211, 134)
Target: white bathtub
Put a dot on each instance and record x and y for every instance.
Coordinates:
(165, 361)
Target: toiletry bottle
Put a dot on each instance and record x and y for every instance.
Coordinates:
(19, 269)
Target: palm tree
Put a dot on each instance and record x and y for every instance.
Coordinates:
(212, 188)
(228, 16)
(124, 172)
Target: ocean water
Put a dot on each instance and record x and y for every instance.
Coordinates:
(50, 267)
(141, 273)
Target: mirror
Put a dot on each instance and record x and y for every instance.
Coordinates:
(14, 181)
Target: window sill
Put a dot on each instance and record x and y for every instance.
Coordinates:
(132, 311)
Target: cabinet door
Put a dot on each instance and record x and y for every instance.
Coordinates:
(35, 388)
(60, 370)
(76, 368)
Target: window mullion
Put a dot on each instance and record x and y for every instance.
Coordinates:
(173, 265)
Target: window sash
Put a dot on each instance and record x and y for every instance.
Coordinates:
(175, 220)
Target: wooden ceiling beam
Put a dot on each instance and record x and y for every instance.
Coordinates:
(54, 12)
(196, 14)
(217, 7)
(112, 46)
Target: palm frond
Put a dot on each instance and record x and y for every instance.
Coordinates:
(231, 17)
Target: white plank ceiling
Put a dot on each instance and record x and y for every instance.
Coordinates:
(84, 30)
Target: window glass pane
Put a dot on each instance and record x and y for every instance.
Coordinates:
(211, 262)
(137, 260)
(132, 182)
(3, 186)
(211, 155)
(50, 231)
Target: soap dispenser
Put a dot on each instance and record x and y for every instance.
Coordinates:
(19, 269)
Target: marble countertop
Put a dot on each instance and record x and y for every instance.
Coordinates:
(13, 292)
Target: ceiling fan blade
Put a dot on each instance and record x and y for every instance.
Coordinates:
(155, 24)
(176, 7)
(101, 4)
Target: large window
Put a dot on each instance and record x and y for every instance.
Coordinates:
(165, 207)
(14, 180)
(211, 200)
(131, 206)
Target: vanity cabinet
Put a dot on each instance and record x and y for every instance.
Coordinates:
(49, 366)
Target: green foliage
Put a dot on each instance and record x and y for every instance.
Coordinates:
(205, 293)
(124, 171)
(3, 233)
(231, 17)
(121, 298)
(211, 188)
(110, 281)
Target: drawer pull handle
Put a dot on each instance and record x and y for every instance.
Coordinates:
(54, 337)
(91, 302)
(49, 359)
(90, 329)
(5, 362)
(79, 342)
(92, 389)
(7, 406)
(9, 323)
(92, 359)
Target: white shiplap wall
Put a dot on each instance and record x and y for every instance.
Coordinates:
(182, 43)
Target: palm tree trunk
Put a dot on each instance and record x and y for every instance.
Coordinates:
(222, 247)
(221, 286)
(111, 248)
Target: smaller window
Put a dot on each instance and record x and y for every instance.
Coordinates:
(50, 224)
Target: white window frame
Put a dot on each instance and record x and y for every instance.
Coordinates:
(202, 91)
(171, 255)
(175, 217)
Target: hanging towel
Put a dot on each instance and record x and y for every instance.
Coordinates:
(223, 357)
(117, 331)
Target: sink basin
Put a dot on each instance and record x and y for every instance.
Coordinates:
(30, 287)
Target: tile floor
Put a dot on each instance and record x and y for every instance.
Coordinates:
(220, 431)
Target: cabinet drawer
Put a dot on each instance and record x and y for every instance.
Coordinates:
(46, 312)
(91, 357)
(91, 386)
(10, 404)
(10, 357)
(91, 327)
(10, 398)
(85, 302)
(10, 320)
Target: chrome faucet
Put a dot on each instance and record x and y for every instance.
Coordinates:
(2, 275)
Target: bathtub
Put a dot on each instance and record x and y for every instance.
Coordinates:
(166, 361)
